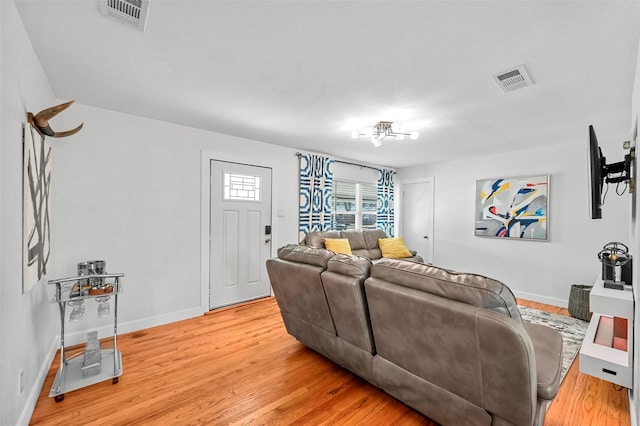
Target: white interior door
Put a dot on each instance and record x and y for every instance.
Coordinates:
(240, 233)
(417, 216)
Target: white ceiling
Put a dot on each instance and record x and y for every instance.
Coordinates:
(304, 74)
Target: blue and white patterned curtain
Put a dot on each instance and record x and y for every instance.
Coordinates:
(316, 182)
(386, 211)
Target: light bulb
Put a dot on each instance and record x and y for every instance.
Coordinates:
(399, 137)
(414, 135)
(355, 134)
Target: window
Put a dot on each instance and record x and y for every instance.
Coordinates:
(354, 205)
(241, 187)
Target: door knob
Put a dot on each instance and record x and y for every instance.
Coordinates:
(425, 237)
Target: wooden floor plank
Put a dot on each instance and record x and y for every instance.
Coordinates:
(238, 365)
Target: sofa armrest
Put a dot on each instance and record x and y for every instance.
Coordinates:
(547, 345)
(304, 254)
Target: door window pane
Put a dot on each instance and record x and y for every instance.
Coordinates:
(241, 187)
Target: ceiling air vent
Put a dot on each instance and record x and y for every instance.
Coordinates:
(513, 79)
(132, 12)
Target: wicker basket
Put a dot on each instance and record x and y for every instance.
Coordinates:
(579, 301)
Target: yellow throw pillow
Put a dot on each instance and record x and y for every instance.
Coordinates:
(337, 245)
(393, 248)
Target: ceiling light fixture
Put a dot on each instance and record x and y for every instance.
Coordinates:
(381, 130)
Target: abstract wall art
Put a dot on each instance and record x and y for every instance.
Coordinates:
(513, 207)
(36, 223)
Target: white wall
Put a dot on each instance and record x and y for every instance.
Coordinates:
(27, 321)
(128, 191)
(540, 271)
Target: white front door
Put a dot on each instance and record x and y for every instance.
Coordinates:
(417, 216)
(240, 233)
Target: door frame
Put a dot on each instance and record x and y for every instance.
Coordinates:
(400, 204)
(205, 203)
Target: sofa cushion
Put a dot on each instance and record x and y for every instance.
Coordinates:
(338, 245)
(356, 239)
(316, 238)
(393, 248)
(305, 254)
(371, 238)
(476, 290)
(365, 242)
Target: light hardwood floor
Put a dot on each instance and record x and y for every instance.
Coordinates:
(239, 366)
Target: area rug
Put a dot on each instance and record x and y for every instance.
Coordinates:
(572, 330)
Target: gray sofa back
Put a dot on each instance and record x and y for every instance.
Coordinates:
(480, 358)
(473, 289)
(363, 243)
(344, 286)
(298, 286)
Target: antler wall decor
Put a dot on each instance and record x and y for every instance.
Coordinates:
(36, 238)
(41, 121)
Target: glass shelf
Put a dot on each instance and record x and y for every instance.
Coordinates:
(65, 287)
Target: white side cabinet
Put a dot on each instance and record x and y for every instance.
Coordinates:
(74, 373)
(609, 363)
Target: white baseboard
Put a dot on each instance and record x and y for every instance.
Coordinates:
(141, 324)
(34, 392)
(632, 409)
(80, 337)
(562, 303)
(128, 327)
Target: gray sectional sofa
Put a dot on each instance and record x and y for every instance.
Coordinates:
(362, 243)
(451, 345)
